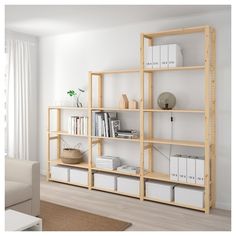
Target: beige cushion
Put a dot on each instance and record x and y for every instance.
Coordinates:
(16, 192)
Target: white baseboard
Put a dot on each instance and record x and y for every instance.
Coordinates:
(223, 205)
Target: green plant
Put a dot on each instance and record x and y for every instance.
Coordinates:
(72, 93)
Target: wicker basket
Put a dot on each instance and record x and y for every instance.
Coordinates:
(71, 156)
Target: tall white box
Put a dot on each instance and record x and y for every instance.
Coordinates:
(105, 181)
(174, 168)
(182, 169)
(79, 176)
(200, 170)
(164, 56)
(156, 56)
(148, 57)
(191, 170)
(60, 173)
(175, 57)
(128, 185)
(189, 196)
(160, 191)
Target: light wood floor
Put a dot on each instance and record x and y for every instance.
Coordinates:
(143, 215)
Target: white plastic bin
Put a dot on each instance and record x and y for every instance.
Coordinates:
(160, 191)
(128, 185)
(105, 181)
(189, 196)
(79, 176)
(60, 173)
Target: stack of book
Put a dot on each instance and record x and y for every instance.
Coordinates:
(127, 134)
(105, 124)
(107, 162)
(78, 125)
(129, 169)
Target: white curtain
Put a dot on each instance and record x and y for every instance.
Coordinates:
(19, 76)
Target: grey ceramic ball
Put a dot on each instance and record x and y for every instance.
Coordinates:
(166, 101)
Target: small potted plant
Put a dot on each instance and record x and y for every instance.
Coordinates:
(76, 96)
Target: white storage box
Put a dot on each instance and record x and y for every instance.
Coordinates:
(175, 56)
(79, 176)
(128, 185)
(160, 191)
(189, 196)
(105, 181)
(60, 173)
(107, 162)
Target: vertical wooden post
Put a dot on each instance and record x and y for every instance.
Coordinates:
(48, 146)
(207, 118)
(141, 117)
(150, 114)
(213, 114)
(100, 104)
(90, 87)
(58, 135)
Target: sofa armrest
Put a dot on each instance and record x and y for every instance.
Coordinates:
(27, 172)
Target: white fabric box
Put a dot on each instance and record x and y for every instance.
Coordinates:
(105, 181)
(60, 173)
(79, 176)
(183, 169)
(174, 167)
(200, 170)
(128, 185)
(160, 191)
(189, 196)
(175, 56)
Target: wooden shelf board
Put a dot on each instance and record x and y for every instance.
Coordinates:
(175, 142)
(114, 109)
(126, 71)
(174, 204)
(166, 178)
(176, 32)
(115, 172)
(175, 68)
(66, 182)
(68, 108)
(67, 134)
(83, 165)
(114, 191)
(175, 111)
(119, 139)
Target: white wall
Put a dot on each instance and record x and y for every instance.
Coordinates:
(66, 59)
(33, 84)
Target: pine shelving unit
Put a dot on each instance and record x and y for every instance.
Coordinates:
(146, 143)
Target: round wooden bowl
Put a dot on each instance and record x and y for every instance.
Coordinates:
(71, 156)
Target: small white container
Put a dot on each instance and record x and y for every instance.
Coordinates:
(189, 196)
(60, 173)
(128, 185)
(105, 181)
(79, 176)
(160, 191)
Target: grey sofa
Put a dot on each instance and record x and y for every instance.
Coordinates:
(22, 186)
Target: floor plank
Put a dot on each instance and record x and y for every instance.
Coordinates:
(144, 215)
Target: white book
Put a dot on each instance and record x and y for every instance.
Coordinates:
(164, 56)
(199, 170)
(85, 125)
(182, 169)
(78, 125)
(100, 126)
(191, 170)
(156, 56)
(81, 125)
(103, 131)
(174, 166)
(148, 57)
(69, 125)
(175, 58)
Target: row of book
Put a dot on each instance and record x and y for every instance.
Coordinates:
(163, 56)
(106, 124)
(78, 125)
